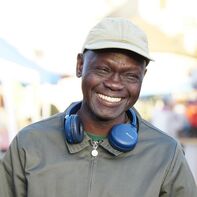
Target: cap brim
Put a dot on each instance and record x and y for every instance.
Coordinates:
(118, 45)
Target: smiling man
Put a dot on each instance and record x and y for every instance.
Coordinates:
(111, 83)
(100, 146)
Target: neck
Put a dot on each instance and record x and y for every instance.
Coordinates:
(99, 126)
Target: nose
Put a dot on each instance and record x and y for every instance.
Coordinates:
(114, 82)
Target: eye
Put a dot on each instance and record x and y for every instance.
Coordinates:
(103, 70)
(131, 77)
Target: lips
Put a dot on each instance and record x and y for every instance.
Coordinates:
(109, 98)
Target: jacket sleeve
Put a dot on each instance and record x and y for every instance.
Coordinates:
(12, 176)
(179, 181)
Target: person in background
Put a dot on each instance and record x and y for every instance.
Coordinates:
(100, 146)
(166, 118)
(191, 113)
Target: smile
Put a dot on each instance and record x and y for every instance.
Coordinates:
(109, 98)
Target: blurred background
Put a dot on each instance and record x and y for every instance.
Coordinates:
(39, 42)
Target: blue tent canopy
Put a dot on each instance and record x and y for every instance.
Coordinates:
(10, 53)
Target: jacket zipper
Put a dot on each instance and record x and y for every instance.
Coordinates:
(94, 154)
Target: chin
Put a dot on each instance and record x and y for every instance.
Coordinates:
(107, 115)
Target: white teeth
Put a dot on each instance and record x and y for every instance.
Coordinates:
(109, 99)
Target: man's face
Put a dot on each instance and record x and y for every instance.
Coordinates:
(111, 82)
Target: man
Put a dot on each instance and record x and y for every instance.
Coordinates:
(100, 146)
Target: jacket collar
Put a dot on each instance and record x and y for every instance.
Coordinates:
(74, 148)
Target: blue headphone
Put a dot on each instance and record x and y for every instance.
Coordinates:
(122, 137)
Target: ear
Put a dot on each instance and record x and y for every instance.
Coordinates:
(79, 67)
(145, 71)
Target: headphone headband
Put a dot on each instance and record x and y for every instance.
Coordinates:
(73, 108)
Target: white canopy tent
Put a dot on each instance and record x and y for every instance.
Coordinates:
(16, 68)
(10, 74)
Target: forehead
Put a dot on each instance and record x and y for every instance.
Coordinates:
(118, 55)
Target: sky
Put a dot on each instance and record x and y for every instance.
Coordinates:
(51, 32)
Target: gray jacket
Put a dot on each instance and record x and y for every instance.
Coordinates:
(40, 163)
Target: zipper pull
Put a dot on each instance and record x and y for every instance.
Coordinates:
(94, 152)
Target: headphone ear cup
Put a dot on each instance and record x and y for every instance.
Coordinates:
(123, 137)
(73, 129)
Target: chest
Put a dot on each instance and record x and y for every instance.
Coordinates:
(84, 175)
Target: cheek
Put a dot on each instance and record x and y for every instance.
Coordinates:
(92, 79)
(89, 82)
(134, 91)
